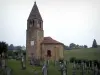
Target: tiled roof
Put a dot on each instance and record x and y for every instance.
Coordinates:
(49, 40)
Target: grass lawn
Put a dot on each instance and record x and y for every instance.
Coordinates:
(52, 70)
(16, 66)
(90, 54)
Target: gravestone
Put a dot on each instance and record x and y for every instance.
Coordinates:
(74, 69)
(83, 72)
(3, 63)
(44, 69)
(47, 62)
(32, 61)
(8, 71)
(95, 70)
(56, 63)
(23, 63)
(35, 72)
(63, 69)
(85, 66)
(0, 64)
(66, 69)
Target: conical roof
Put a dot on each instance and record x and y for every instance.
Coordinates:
(35, 14)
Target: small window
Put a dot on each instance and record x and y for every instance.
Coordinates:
(40, 24)
(33, 22)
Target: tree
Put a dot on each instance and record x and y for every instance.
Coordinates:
(77, 46)
(11, 47)
(94, 45)
(72, 45)
(85, 46)
(3, 53)
(3, 48)
(10, 53)
(18, 48)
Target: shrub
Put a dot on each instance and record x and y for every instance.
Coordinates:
(61, 60)
(72, 59)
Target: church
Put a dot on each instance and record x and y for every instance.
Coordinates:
(38, 46)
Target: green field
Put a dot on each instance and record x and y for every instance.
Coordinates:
(90, 54)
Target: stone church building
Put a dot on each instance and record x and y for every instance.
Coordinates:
(37, 45)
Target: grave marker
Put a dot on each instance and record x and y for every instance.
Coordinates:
(44, 69)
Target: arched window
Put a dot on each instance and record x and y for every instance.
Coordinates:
(40, 24)
(48, 53)
(30, 22)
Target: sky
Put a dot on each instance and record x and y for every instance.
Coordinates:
(67, 21)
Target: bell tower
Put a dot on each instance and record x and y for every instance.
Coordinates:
(34, 33)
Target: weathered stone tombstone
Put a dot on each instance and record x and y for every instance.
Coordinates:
(3, 63)
(44, 69)
(55, 62)
(0, 64)
(8, 71)
(23, 62)
(35, 72)
(83, 70)
(63, 69)
(32, 61)
(74, 69)
(85, 66)
(95, 70)
(48, 62)
(66, 67)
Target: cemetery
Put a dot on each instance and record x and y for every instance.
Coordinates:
(73, 66)
(46, 56)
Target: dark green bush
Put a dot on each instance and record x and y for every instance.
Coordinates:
(72, 59)
(61, 60)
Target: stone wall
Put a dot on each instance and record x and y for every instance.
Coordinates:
(56, 51)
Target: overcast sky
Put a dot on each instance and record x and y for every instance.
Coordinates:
(68, 21)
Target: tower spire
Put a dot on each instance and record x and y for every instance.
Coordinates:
(35, 2)
(35, 14)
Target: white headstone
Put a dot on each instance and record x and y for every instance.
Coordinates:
(22, 59)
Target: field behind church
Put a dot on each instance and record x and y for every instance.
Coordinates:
(89, 53)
